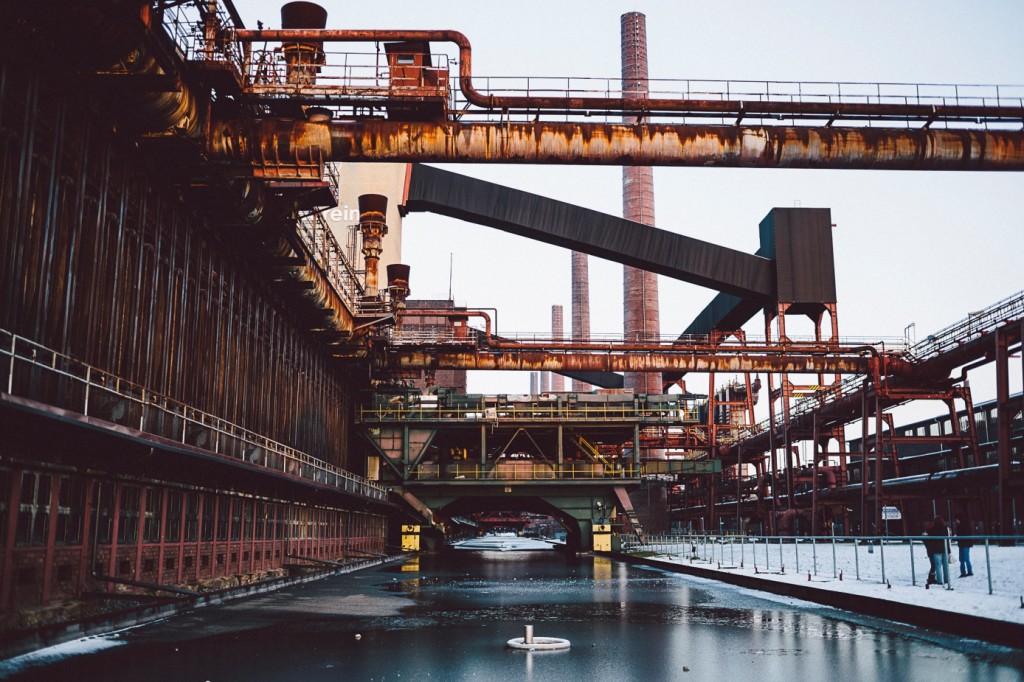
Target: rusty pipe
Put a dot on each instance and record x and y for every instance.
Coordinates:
(526, 360)
(627, 104)
(621, 144)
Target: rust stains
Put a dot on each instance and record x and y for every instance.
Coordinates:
(279, 140)
(535, 360)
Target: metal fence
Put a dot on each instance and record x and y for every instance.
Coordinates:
(886, 560)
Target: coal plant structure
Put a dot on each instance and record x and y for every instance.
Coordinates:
(211, 382)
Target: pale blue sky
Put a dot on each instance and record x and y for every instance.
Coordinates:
(921, 247)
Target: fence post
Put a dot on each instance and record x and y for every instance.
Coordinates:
(796, 548)
(835, 573)
(881, 552)
(88, 385)
(913, 571)
(988, 567)
(856, 558)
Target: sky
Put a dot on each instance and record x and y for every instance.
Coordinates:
(917, 248)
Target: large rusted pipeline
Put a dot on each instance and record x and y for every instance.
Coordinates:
(538, 360)
(621, 144)
(620, 104)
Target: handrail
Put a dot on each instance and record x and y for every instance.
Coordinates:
(163, 416)
(859, 557)
(524, 470)
(971, 327)
(941, 108)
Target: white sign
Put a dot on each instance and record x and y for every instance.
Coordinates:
(891, 514)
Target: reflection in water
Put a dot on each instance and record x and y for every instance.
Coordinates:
(447, 617)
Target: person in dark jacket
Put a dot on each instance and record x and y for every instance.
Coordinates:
(964, 548)
(938, 549)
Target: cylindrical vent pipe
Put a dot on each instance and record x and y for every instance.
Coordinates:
(398, 282)
(580, 307)
(303, 60)
(640, 288)
(557, 330)
(373, 209)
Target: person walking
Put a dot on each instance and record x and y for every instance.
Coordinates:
(963, 546)
(938, 549)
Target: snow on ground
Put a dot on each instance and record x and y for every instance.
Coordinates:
(903, 565)
(58, 652)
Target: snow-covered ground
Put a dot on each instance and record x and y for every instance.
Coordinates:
(862, 570)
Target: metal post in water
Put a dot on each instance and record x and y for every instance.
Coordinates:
(527, 634)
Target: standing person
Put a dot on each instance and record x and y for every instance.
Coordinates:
(964, 549)
(938, 548)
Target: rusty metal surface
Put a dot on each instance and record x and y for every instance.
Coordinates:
(117, 272)
(621, 144)
(630, 357)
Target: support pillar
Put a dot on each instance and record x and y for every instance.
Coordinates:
(1003, 417)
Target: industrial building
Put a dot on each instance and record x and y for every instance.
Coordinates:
(216, 372)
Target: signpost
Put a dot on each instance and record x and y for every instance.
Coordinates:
(890, 514)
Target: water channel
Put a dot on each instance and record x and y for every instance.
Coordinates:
(448, 616)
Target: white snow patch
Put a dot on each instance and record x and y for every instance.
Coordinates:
(969, 595)
(58, 652)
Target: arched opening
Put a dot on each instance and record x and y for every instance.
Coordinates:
(468, 506)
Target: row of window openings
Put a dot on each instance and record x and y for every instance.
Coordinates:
(238, 524)
(66, 572)
(985, 423)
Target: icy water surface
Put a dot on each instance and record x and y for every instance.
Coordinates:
(448, 618)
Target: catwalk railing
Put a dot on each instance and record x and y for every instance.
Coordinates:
(568, 414)
(363, 78)
(971, 327)
(524, 470)
(34, 372)
(888, 560)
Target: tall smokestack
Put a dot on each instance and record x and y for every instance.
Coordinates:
(640, 296)
(580, 308)
(557, 329)
(640, 288)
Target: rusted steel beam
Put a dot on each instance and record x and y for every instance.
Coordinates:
(619, 144)
(536, 360)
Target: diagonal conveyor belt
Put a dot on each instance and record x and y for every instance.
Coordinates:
(587, 231)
